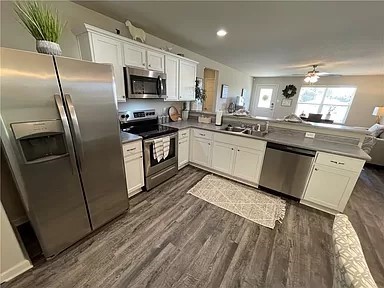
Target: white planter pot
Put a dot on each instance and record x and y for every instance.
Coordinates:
(48, 47)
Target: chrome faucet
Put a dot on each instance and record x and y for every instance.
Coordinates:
(258, 127)
(266, 126)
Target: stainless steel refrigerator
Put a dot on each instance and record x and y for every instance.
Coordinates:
(61, 136)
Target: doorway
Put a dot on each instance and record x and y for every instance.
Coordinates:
(210, 86)
(264, 100)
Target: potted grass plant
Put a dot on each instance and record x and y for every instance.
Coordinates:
(43, 24)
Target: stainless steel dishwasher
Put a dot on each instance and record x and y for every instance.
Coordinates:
(286, 169)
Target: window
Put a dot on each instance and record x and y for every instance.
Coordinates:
(319, 99)
(265, 98)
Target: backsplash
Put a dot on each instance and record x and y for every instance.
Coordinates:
(159, 105)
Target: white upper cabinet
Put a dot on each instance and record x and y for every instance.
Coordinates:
(108, 50)
(155, 61)
(172, 71)
(187, 80)
(101, 46)
(135, 56)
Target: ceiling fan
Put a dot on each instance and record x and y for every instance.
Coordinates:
(314, 75)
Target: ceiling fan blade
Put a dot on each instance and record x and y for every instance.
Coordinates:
(327, 74)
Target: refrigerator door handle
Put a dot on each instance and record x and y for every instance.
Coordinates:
(67, 132)
(76, 130)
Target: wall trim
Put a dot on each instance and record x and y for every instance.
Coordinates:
(16, 270)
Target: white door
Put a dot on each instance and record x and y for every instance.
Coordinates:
(134, 176)
(265, 100)
(201, 152)
(248, 164)
(172, 71)
(109, 50)
(327, 186)
(222, 157)
(183, 150)
(187, 80)
(155, 61)
(134, 56)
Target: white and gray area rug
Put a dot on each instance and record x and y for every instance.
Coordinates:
(248, 202)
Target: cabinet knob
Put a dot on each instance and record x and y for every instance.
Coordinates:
(316, 169)
(143, 64)
(149, 65)
(232, 149)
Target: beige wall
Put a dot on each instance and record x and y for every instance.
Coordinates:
(12, 260)
(369, 93)
(13, 35)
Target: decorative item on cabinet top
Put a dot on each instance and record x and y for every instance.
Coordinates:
(135, 32)
(43, 24)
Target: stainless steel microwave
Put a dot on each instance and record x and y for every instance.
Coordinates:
(140, 83)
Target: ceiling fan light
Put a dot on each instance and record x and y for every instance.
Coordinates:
(313, 79)
(307, 79)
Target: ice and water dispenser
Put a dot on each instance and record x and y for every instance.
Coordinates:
(40, 141)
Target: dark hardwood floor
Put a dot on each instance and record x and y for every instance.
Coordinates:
(172, 239)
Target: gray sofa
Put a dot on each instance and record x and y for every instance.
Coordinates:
(377, 152)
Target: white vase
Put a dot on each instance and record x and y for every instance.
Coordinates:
(48, 47)
(328, 116)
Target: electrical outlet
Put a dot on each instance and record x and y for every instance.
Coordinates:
(310, 135)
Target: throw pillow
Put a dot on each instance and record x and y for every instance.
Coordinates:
(376, 130)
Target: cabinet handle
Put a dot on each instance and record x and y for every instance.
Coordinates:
(132, 149)
(209, 144)
(232, 149)
(341, 163)
(143, 64)
(238, 150)
(316, 169)
(201, 134)
(335, 162)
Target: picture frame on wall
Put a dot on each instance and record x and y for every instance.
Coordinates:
(224, 91)
(286, 102)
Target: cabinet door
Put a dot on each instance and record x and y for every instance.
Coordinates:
(183, 156)
(187, 80)
(201, 152)
(330, 187)
(172, 71)
(248, 164)
(108, 50)
(222, 157)
(134, 56)
(134, 174)
(155, 61)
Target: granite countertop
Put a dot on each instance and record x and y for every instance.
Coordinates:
(348, 150)
(128, 137)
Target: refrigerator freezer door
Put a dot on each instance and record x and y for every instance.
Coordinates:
(40, 151)
(88, 90)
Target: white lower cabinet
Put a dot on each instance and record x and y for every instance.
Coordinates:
(331, 182)
(201, 151)
(222, 157)
(248, 163)
(235, 156)
(134, 168)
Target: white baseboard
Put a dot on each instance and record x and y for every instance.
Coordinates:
(15, 271)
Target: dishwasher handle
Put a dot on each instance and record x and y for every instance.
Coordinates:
(291, 149)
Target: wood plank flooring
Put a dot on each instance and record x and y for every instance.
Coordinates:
(172, 239)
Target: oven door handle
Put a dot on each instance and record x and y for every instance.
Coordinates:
(150, 141)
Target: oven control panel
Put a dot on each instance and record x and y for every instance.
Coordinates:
(126, 116)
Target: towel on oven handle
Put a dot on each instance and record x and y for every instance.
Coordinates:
(166, 144)
(158, 151)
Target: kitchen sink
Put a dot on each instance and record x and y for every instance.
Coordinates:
(234, 129)
(255, 133)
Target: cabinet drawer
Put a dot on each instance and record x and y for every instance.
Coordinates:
(340, 162)
(132, 148)
(202, 134)
(240, 141)
(183, 134)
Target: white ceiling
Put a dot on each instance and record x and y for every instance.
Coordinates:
(266, 38)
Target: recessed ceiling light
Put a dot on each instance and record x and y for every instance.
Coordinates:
(221, 33)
